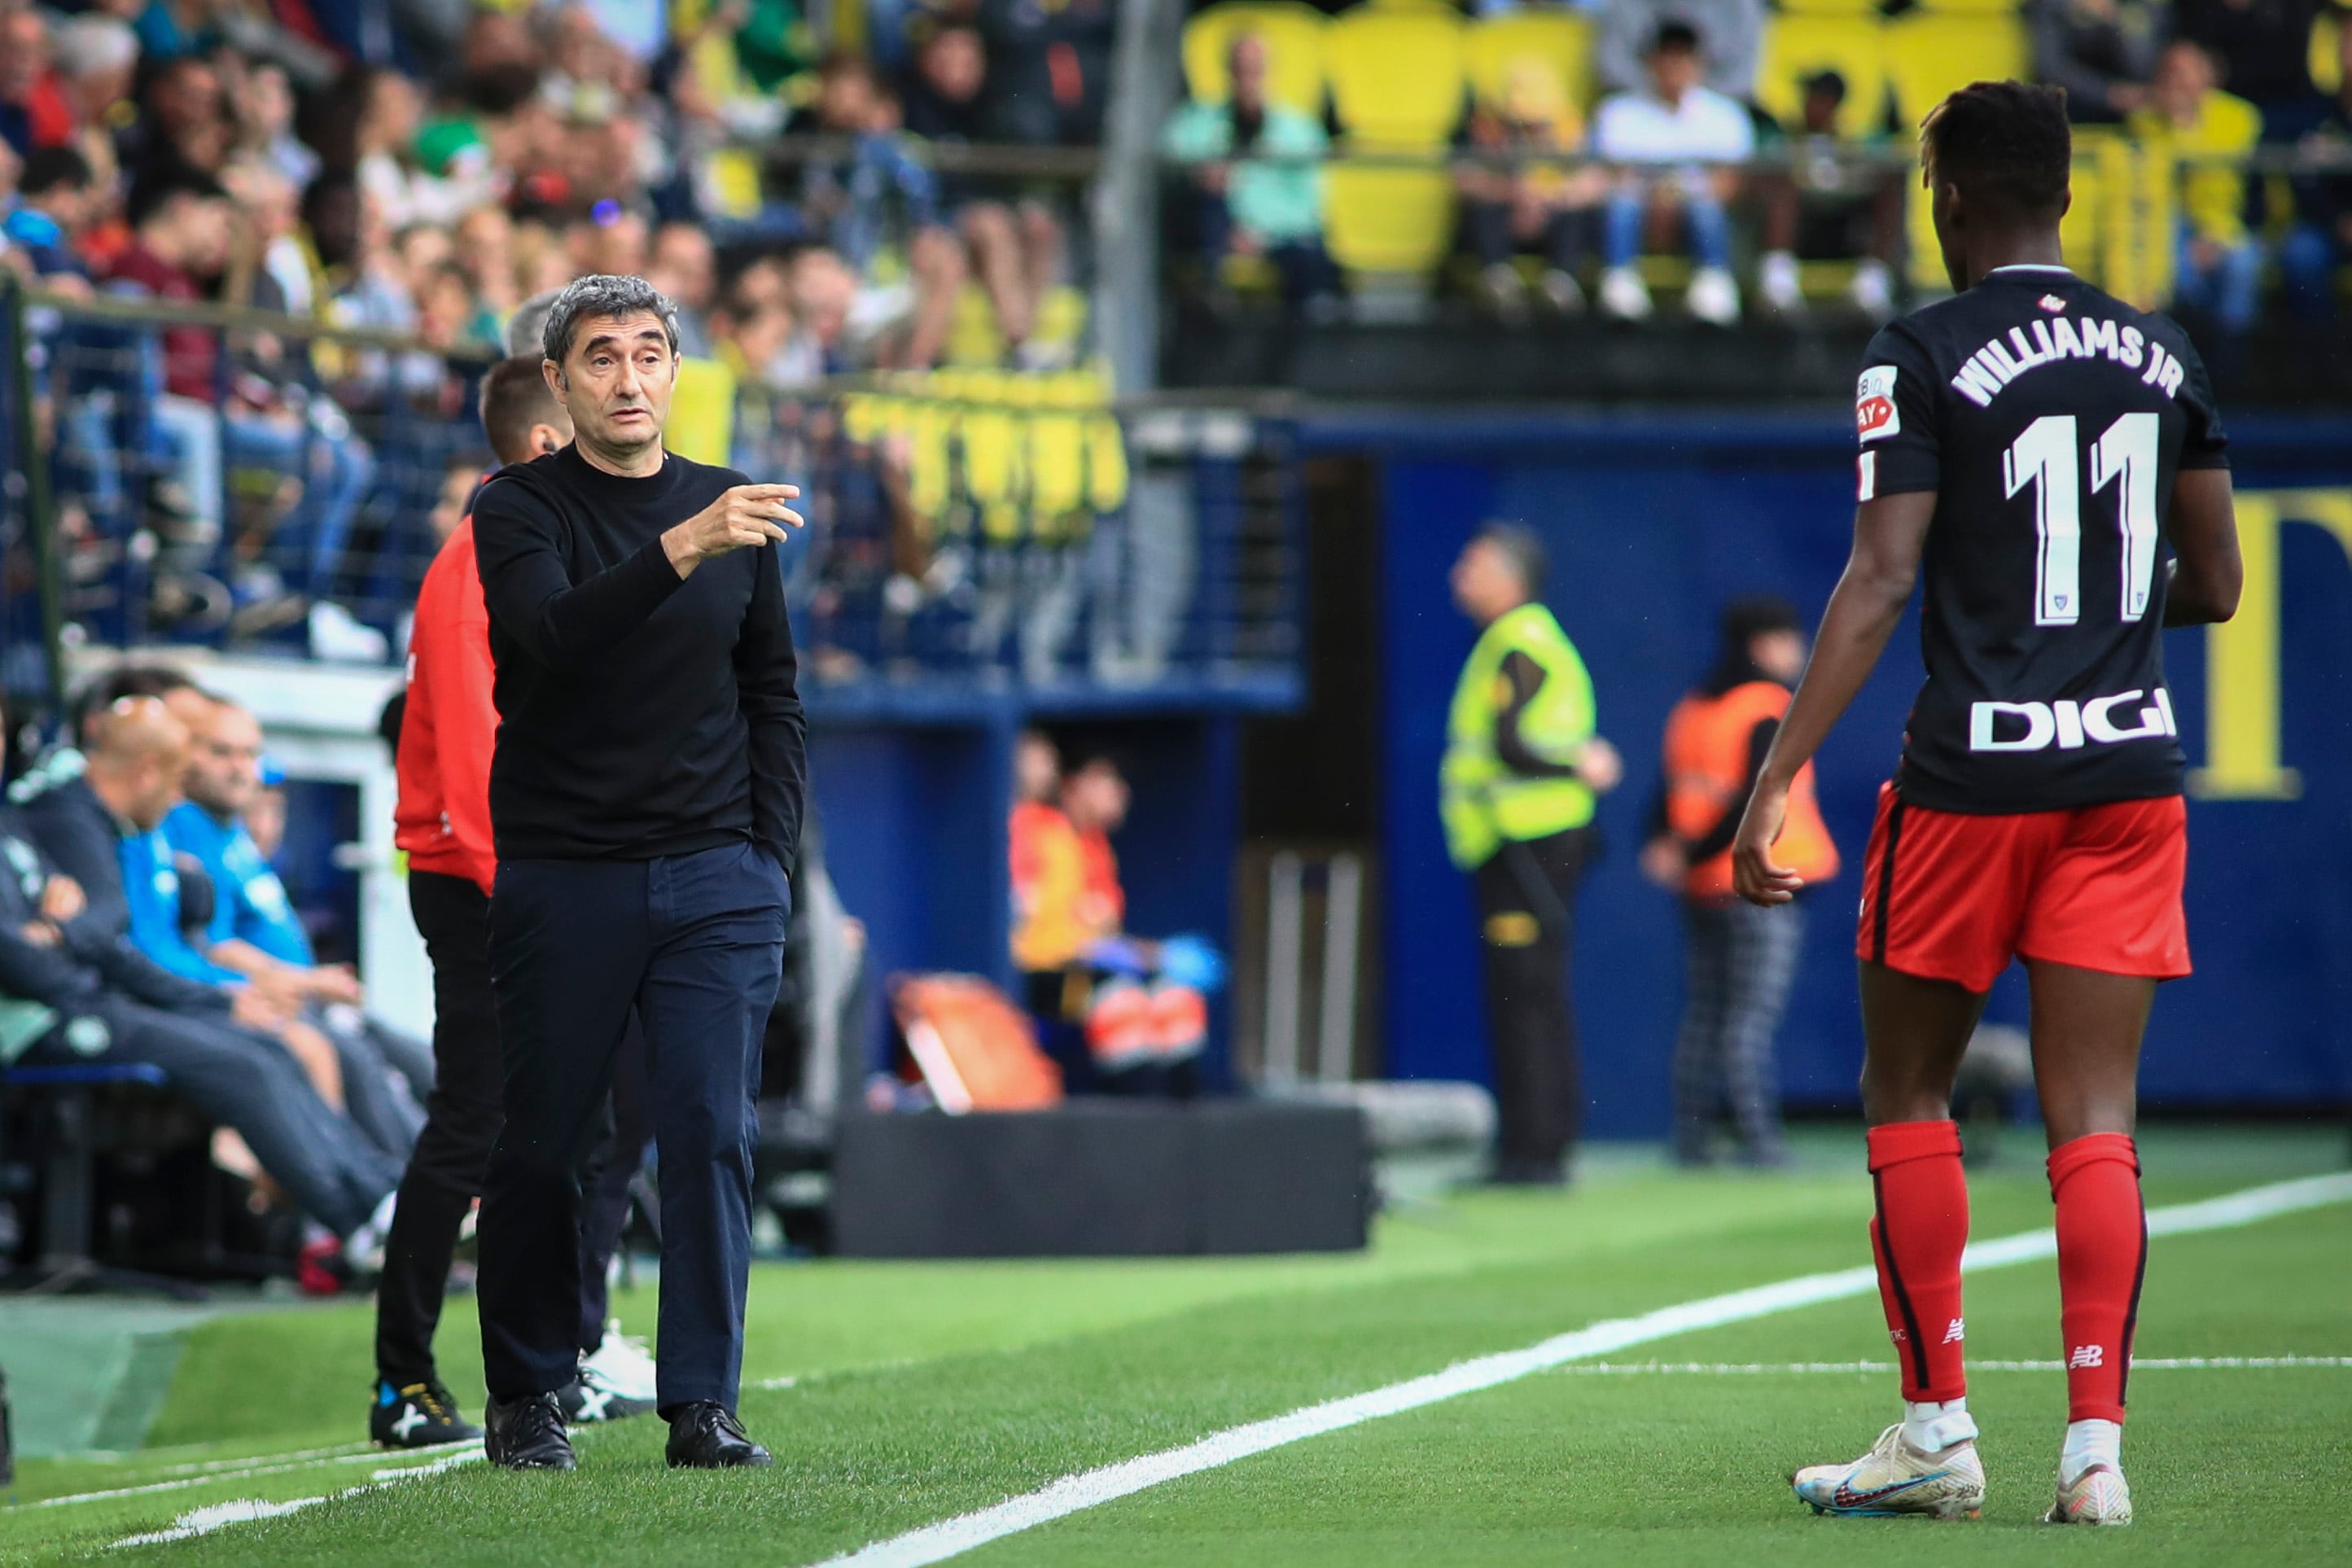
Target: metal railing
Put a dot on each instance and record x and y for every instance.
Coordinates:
(205, 475)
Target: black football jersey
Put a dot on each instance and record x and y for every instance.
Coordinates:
(2049, 418)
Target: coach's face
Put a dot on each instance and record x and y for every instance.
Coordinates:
(616, 381)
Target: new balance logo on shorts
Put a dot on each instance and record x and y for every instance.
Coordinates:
(1956, 1332)
(2087, 1355)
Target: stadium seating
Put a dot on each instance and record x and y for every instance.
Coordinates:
(1382, 219)
(2326, 65)
(1396, 75)
(1560, 39)
(1928, 55)
(1797, 47)
(1294, 50)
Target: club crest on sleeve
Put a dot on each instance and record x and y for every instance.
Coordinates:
(2052, 303)
(1874, 415)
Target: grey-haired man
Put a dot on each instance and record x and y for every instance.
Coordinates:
(646, 804)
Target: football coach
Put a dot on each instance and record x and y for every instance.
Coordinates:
(646, 804)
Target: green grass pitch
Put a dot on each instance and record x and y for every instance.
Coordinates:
(920, 1392)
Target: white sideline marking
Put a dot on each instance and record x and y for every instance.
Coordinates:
(204, 1520)
(1787, 1368)
(1092, 1488)
(264, 1466)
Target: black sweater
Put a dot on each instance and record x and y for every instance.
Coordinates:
(640, 714)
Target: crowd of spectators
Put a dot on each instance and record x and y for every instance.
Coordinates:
(252, 153)
(1555, 200)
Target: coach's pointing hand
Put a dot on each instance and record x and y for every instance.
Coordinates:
(1754, 876)
(748, 515)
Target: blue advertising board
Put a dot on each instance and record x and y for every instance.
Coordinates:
(1652, 522)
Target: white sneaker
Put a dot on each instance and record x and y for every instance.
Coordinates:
(1872, 289)
(363, 1248)
(2098, 1496)
(1624, 296)
(1563, 293)
(1777, 281)
(622, 1364)
(1714, 298)
(1894, 1478)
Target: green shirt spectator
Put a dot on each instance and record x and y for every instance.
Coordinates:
(1278, 203)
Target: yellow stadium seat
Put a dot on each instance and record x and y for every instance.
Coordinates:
(1561, 39)
(1396, 75)
(1294, 51)
(1106, 463)
(1928, 56)
(1831, 8)
(1380, 219)
(1803, 46)
(1973, 7)
(2326, 64)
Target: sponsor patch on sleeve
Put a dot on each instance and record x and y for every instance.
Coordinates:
(1874, 415)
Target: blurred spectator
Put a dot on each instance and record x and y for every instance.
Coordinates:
(2103, 52)
(96, 58)
(1825, 209)
(1248, 204)
(33, 110)
(56, 202)
(1533, 208)
(485, 250)
(183, 124)
(1015, 243)
(2220, 271)
(383, 140)
(264, 124)
(1048, 69)
(1740, 958)
(2262, 50)
(685, 269)
(2321, 241)
(1733, 29)
(1663, 141)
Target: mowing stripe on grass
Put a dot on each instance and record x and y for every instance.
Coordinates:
(1796, 1368)
(1092, 1488)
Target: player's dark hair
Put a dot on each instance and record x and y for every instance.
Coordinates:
(515, 396)
(1530, 561)
(1675, 38)
(2003, 144)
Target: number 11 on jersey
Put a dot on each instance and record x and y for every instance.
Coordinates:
(2045, 457)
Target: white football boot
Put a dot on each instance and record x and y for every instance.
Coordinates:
(2098, 1496)
(1894, 1478)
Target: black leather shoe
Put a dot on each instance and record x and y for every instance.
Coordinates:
(704, 1436)
(527, 1434)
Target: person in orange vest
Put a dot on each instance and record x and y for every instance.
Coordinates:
(1741, 957)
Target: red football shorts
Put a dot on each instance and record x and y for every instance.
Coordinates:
(1952, 897)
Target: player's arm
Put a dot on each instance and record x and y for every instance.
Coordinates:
(1889, 533)
(2207, 575)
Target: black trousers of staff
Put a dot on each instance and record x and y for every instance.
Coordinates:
(1527, 914)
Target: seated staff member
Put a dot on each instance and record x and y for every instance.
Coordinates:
(448, 729)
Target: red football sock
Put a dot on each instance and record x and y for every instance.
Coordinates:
(2101, 1254)
(1921, 1230)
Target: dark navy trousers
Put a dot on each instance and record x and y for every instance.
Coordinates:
(695, 943)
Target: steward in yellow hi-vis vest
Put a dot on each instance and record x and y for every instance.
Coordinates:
(1521, 771)
(1511, 753)
(1740, 958)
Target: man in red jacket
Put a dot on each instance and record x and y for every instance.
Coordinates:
(448, 730)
